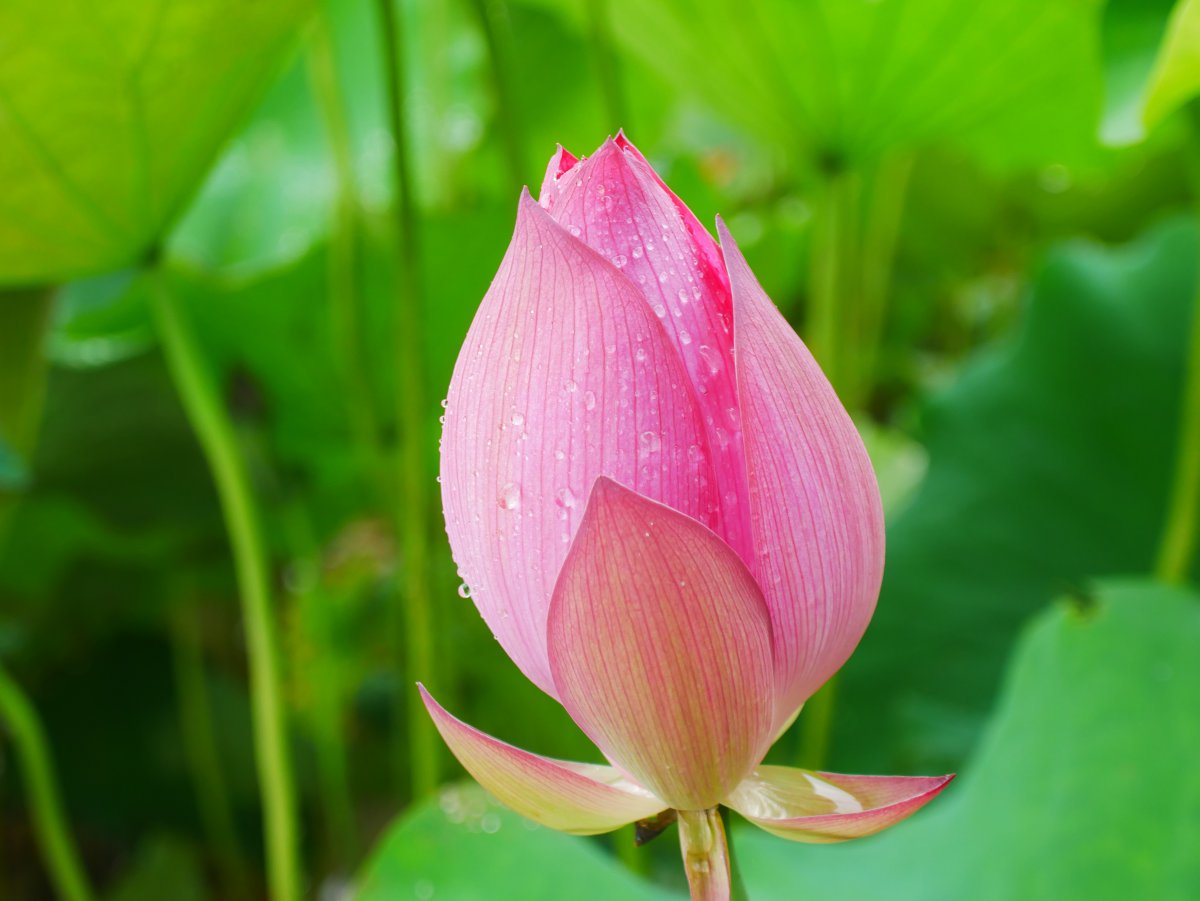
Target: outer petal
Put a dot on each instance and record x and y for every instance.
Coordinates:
(572, 797)
(826, 807)
(660, 648)
(815, 511)
(616, 203)
(564, 375)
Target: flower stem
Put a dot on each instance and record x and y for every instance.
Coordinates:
(705, 854)
(411, 502)
(213, 428)
(1177, 550)
(58, 849)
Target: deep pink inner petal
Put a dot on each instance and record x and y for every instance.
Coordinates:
(614, 202)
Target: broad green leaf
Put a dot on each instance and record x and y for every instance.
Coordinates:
(1049, 463)
(464, 845)
(1011, 81)
(1176, 76)
(1085, 786)
(110, 113)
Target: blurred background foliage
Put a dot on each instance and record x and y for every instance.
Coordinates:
(245, 240)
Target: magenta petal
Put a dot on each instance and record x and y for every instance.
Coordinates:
(582, 798)
(807, 806)
(564, 375)
(660, 648)
(815, 512)
(616, 203)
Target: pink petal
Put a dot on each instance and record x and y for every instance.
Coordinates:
(815, 512)
(564, 375)
(616, 203)
(660, 648)
(827, 807)
(582, 798)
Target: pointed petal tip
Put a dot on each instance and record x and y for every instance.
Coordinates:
(580, 798)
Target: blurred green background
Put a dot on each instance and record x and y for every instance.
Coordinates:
(240, 244)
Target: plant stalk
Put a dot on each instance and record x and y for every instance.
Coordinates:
(412, 500)
(705, 854)
(493, 23)
(200, 744)
(608, 74)
(59, 854)
(211, 423)
(1178, 547)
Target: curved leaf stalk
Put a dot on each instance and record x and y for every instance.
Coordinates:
(59, 853)
(211, 423)
(412, 499)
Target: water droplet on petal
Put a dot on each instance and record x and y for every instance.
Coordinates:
(565, 498)
(510, 497)
(589, 400)
(712, 358)
(464, 590)
(620, 260)
(650, 441)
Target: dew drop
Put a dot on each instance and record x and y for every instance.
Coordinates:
(650, 441)
(445, 401)
(620, 260)
(685, 337)
(640, 354)
(659, 310)
(464, 590)
(510, 497)
(589, 400)
(574, 230)
(637, 252)
(711, 357)
(565, 498)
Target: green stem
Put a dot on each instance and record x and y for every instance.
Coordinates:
(345, 294)
(705, 854)
(24, 318)
(200, 744)
(737, 884)
(607, 72)
(1177, 550)
(215, 432)
(881, 231)
(816, 726)
(493, 22)
(1181, 532)
(50, 823)
(324, 683)
(833, 276)
(412, 501)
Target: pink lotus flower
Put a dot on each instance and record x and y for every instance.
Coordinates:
(666, 517)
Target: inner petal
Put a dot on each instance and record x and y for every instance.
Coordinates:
(615, 203)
